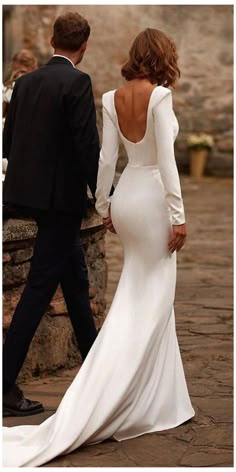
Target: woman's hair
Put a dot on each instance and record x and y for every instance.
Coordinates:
(70, 31)
(22, 62)
(152, 56)
(24, 59)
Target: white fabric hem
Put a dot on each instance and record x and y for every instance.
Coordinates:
(155, 429)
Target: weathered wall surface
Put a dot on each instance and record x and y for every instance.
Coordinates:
(204, 37)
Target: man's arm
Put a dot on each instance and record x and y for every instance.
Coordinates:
(82, 121)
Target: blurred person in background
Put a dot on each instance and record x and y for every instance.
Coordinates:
(23, 61)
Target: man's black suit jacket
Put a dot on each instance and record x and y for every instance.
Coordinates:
(50, 140)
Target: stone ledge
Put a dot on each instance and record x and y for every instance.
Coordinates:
(18, 229)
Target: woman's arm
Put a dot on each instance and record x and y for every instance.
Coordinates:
(163, 122)
(107, 164)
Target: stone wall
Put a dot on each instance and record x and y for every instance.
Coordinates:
(204, 37)
(54, 345)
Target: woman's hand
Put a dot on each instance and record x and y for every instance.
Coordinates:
(108, 223)
(177, 238)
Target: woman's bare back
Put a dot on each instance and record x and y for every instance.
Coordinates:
(131, 104)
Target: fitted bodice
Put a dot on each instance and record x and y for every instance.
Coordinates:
(144, 152)
(155, 149)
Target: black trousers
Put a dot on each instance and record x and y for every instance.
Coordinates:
(58, 259)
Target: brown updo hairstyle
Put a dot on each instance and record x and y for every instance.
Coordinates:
(152, 56)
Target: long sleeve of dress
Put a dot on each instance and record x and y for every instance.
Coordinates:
(163, 123)
(107, 164)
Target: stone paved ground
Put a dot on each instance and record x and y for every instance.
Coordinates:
(204, 326)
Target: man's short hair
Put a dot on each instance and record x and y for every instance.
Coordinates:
(70, 31)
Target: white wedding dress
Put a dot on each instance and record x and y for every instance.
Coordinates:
(132, 381)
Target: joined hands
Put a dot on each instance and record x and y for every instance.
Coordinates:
(108, 223)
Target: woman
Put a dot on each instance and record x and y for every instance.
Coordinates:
(132, 381)
(22, 62)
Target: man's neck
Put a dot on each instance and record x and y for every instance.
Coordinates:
(66, 54)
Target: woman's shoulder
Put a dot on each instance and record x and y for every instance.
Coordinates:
(161, 92)
(161, 95)
(107, 97)
(108, 102)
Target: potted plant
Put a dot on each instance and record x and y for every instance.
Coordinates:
(199, 146)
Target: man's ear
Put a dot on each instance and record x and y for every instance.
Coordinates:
(52, 42)
(84, 46)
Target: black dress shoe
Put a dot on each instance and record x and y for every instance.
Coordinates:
(15, 404)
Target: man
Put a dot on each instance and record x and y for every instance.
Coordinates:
(52, 146)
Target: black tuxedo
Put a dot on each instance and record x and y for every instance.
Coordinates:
(51, 143)
(50, 139)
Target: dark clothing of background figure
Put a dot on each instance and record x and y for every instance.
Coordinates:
(51, 143)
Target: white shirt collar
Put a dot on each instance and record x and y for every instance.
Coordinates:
(64, 57)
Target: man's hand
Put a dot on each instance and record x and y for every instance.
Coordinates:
(108, 223)
(177, 238)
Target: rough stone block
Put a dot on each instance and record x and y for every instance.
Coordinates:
(22, 255)
(6, 257)
(52, 348)
(15, 275)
